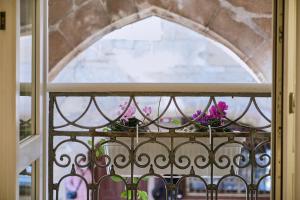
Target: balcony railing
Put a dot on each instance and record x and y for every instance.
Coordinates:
(185, 155)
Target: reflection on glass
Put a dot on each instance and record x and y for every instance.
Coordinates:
(25, 68)
(25, 183)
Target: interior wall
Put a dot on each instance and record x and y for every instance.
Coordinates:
(289, 119)
(8, 140)
(297, 175)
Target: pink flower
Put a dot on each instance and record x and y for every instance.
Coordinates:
(218, 111)
(129, 113)
(131, 110)
(147, 110)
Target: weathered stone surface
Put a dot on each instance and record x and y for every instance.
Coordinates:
(262, 58)
(237, 33)
(82, 24)
(79, 2)
(58, 9)
(142, 4)
(119, 8)
(245, 24)
(58, 48)
(265, 24)
(256, 6)
(199, 11)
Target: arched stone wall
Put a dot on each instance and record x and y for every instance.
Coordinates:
(243, 26)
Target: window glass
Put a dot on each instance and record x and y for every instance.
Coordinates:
(26, 66)
(25, 183)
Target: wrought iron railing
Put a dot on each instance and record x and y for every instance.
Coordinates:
(174, 153)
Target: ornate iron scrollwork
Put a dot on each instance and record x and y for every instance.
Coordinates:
(211, 159)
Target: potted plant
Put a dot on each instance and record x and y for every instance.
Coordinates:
(213, 120)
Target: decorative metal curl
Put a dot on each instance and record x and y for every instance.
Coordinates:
(107, 161)
(62, 158)
(138, 157)
(243, 158)
(65, 156)
(182, 158)
(262, 157)
(82, 157)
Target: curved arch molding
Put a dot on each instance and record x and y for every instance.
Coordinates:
(245, 27)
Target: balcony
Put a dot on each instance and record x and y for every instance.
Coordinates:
(157, 146)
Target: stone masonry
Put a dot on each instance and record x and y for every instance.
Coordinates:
(244, 26)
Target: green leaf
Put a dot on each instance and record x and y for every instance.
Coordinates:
(106, 129)
(124, 194)
(142, 195)
(175, 121)
(90, 142)
(102, 140)
(97, 153)
(135, 179)
(101, 148)
(116, 179)
(145, 178)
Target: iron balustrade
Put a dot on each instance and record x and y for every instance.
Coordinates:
(211, 165)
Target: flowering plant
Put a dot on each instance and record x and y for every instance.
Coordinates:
(215, 117)
(128, 119)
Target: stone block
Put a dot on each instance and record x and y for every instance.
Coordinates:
(119, 9)
(79, 2)
(84, 22)
(255, 6)
(237, 33)
(58, 9)
(265, 24)
(263, 59)
(58, 48)
(199, 11)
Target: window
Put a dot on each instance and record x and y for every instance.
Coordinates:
(26, 103)
(25, 184)
(28, 99)
(156, 51)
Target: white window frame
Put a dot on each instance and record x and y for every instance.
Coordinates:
(11, 150)
(17, 155)
(30, 151)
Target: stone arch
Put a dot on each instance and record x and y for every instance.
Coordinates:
(77, 31)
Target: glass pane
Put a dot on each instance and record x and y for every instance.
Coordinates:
(25, 183)
(26, 67)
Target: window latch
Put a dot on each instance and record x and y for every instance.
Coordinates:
(2, 21)
(292, 103)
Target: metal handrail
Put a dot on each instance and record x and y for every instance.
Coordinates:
(184, 89)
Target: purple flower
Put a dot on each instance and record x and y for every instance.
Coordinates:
(201, 119)
(147, 110)
(215, 113)
(197, 114)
